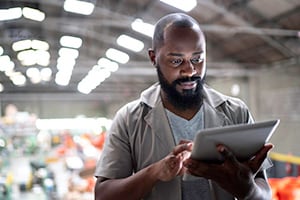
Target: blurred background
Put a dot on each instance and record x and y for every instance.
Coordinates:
(66, 66)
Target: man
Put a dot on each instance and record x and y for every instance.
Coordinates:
(147, 148)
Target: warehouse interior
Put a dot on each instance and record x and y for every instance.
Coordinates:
(79, 73)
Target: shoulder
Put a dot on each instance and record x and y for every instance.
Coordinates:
(148, 99)
(216, 98)
(234, 108)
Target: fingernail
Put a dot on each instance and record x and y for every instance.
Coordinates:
(220, 148)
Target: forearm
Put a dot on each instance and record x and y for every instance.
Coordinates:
(131, 188)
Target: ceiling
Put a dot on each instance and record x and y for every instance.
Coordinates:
(242, 36)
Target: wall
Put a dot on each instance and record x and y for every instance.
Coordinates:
(276, 94)
(272, 93)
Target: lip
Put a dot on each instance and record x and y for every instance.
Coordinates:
(188, 85)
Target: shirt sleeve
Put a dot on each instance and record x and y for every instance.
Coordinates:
(115, 160)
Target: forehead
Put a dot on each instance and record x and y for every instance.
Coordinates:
(180, 39)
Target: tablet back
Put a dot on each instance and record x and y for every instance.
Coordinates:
(244, 140)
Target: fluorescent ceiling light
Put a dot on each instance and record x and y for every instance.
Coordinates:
(106, 63)
(62, 78)
(142, 27)
(26, 55)
(33, 14)
(70, 41)
(130, 43)
(95, 76)
(32, 72)
(1, 87)
(18, 78)
(1, 50)
(42, 55)
(46, 74)
(36, 75)
(117, 55)
(69, 53)
(31, 57)
(40, 45)
(83, 88)
(64, 63)
(186, 5)
(27, 44)
(79, 7)
(21, 45)
(28, 62)
(11, 13)
(4, 59)
(6, 64)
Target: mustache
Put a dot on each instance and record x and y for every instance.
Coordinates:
(187, 79)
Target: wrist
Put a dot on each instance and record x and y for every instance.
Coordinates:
(250, 195)
(153, 172)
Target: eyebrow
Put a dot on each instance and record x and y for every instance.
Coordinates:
(180, 54)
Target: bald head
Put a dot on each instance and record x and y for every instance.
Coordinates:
(178, 20)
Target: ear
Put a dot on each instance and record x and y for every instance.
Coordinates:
(152, 56)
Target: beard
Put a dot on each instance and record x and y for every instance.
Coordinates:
(190, 98)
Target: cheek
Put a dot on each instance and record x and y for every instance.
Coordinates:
(202, 70)
(171, 75)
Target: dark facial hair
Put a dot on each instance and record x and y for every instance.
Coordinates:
(191, 98)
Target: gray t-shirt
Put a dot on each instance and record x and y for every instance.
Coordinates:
(187, 129)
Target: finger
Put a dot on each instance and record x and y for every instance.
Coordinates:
(227, 154)
(260, 157)
(182, 147)
(183, 141)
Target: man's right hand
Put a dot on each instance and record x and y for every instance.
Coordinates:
(172, 165)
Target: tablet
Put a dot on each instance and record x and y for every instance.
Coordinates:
(244, 140)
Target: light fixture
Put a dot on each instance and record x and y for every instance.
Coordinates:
(94, 78)
(46, 74)
(40, 45)
(1, 87)
(62, 78)
(33, 14)
(70, 41)
(142, 27)
(32, 72)
(18, 78)
(1, 50)
(4, 59)
(130, 43)
(235, 89)
(21, 45)
(117, 55)
(42, 57)
(26, 55)
(186, 6)
(68, 53)
(27, 44)
(11, 13)
(6, 64)
(65, 63)
(79, 7)
(106, 63)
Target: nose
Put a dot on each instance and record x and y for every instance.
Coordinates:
(188, 70)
